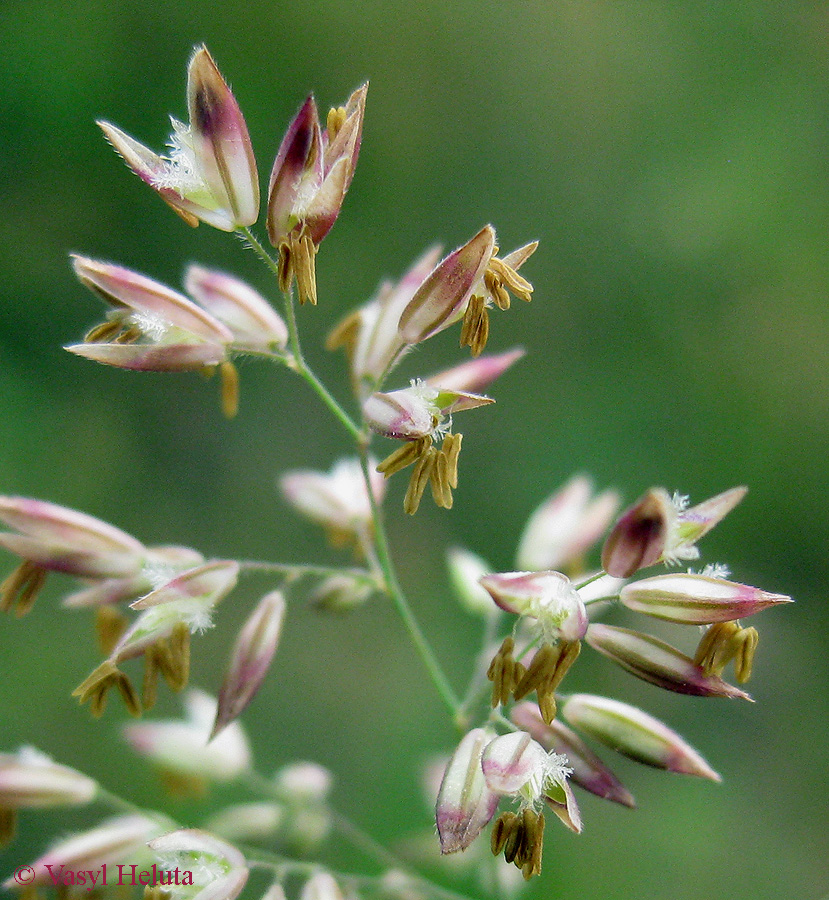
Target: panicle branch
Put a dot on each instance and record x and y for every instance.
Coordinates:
(150, 601)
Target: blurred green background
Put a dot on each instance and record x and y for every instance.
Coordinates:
(672, 160)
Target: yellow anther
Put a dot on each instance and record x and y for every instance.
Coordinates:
(96, 687)
(285, 266)
(149, 686)
(403, 456)
(521, 839)
(110, 624)
(749, 638)
(532, 863)
(418, 481)
(8, 826)
(345, 333)
(335, 121)
(512, 844)
(297, 262)
(439, 468)
(475, 328)
(128, 695)
(501, 830)
(306, 272)
(508, 276)
(103, 332)
(539, 670)
(452, 448)
(723, 642)
(129, 335)
(496, 290)
(439, 481)
(230, 389)
(19, 591)
(179, 673)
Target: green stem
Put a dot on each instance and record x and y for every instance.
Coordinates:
(478, 680)
(422, 645)
(298, 363)
(298, 570)
(384, 561)
(355, 836)
(122, 805)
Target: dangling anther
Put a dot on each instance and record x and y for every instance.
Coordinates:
(404, 456)
(506, 275)
(418, 481)
(306, 271)
(230, 389)
(8, 826)
(723, 642)
(501, 830)
(475, 328)
(19, 591)
(532, 860)
(504, 672)
(749, 638)
(439, 481)
(178, 673)
(345, 333)
(285, 267)
(539, 670)
(110, 624)
(96, 687)
(521, 839)
(452, 448)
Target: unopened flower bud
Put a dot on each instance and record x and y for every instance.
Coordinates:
(115, 840)
(185, 748)
(696, 599)
(659, 663)
(588, 770)
(638, 538)
(250, 659)
(338, 500)
(565, 526)
(304, 782)
(466, 569)
(465, 803)
(219, 870)
(321, 886)
(635, 734)
(64, 540)
(342, 592)
(29, 778)
(246, 821)
(246, 313)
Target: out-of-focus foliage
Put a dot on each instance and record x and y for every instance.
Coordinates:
(671, 158)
